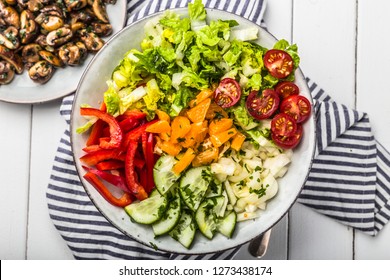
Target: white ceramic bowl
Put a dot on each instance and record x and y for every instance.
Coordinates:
(90, 91)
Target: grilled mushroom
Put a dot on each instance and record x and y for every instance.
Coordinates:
(35, 5)
(101, 29)
(73, 53)
(84, 15)
(77, 26)
(10, 16)
(49, 22)
(59, 36)
(41, 72)
(93, 42)
(29, 28)
(12, 58)
(41, 40)
(30, 53)
(10, 38)
(53, 10)
(6, 73)
(51, 58)
(99, 9)
(11, 2)
(74, 5)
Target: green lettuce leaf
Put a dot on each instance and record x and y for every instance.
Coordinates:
(196, 11)
(241, 116)
(153, 95)
(112, 99)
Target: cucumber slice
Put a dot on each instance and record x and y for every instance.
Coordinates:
(194, 185)
(206, 216)
(148, 210)
(184, 231)
(170, 218)
(215, 189)
(163, 175)
(227, 225)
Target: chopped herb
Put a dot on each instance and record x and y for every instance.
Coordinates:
(154, 246)
(260, 192)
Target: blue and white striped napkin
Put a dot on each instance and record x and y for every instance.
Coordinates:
(348, 181)
(350, 176)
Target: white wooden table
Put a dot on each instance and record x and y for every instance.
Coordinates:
(343, 47)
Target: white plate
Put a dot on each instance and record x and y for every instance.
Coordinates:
(91, 90)
(65, 80)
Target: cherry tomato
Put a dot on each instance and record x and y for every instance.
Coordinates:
(283, 125)
(288, 142)
(286, 89)
(263, 106)
(279, 63)
(227, 93)
(297, 106)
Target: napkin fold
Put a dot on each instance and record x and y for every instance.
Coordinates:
(348, 181)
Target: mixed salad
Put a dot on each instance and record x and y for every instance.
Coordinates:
(196, 126)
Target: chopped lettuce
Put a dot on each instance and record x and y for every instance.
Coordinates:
(241, 116)
(153, 95)
(197, 14)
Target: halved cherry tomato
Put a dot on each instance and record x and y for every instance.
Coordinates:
(263, 106)
(288, 142)
(297, 106)
(283, 125)
(279, 63)
(228, 93)
(286, 89)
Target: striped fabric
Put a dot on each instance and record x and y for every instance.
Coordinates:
(86, 232)
(349, 180)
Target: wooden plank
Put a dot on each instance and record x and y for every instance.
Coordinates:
(319, 29)
(278, 18)
(48, 127)
(15, 127)
(315, 236)
(373, 66)
(325, 34)
(277, 247)
(373, 97)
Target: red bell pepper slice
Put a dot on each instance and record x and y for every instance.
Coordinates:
(92, 148)
(96, 133)
(94, 180)
(142, 176)
(115, 180)
(116, 134)
(136, 134)
(131, 177)
(129, 124)
(110, 165)
(149, 158)
(93, 158)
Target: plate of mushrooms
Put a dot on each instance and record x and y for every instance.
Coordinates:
(45, 45)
